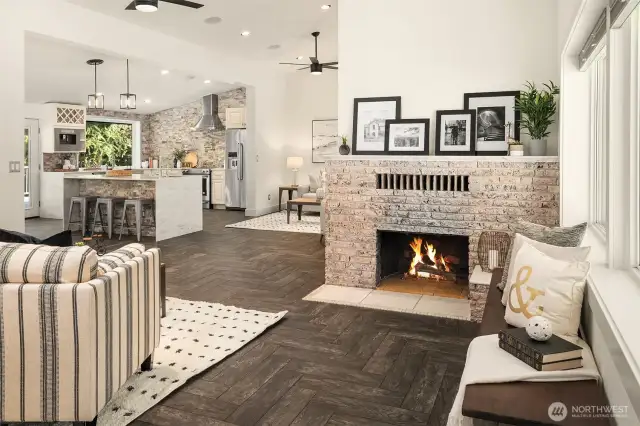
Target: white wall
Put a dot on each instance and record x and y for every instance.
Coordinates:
(431, 52)
(11, 120)
(308, 98)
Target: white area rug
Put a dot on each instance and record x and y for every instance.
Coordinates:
(309, 224)
(392, 301)
(194, 337)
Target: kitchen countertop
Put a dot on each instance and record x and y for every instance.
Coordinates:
(120, 178)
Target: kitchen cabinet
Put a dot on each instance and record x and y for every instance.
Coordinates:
(217, 188)
(236, 118)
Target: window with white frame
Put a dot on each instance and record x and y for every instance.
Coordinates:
(599, 142)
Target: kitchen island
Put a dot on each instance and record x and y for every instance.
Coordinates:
(178, 201)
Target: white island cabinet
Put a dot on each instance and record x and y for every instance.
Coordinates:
(177, 200)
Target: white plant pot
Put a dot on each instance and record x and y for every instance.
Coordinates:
(516, 150)
(536, 147)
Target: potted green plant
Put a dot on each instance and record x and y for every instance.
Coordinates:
(537, 108)
(344, 148)
(178, 157)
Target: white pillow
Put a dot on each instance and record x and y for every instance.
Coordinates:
(577, 254)
(314, 183)
(548, 287)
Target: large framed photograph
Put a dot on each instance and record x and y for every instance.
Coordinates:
(369, 123)
(407, 137)
(494, 110)
(456, 132)
(324, 139)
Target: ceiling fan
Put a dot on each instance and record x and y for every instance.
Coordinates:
(316, 67)
(152, 5)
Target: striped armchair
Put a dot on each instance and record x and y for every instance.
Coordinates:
(66, 348)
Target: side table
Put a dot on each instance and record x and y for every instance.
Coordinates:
(289, 189)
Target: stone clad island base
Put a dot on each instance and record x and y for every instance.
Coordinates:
(178, 201)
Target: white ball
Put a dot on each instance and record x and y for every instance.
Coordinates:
(539, 328)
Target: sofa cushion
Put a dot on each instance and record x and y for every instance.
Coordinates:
(563, 237)
(548, 287)
(314, 183)
(310, 195)
(119, 257)
(61, 239)
(578, 254)
(30, 263)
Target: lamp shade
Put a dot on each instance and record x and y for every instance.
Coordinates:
(294, 163)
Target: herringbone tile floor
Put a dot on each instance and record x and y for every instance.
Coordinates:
(322, 365)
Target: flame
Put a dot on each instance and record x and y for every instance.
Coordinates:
(438, 260)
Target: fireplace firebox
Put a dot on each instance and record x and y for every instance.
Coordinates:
(423, 262)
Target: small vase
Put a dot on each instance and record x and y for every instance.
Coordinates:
(536, 147)
(344, 149)
(516, 150)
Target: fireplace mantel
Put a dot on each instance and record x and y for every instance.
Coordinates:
(430, 194)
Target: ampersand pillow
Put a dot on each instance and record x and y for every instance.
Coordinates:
(545, 286)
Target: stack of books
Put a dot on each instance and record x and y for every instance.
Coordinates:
(553, 355)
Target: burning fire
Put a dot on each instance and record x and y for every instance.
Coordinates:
(438, 261)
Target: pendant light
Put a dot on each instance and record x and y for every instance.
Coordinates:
(96, 100)
(127, 100)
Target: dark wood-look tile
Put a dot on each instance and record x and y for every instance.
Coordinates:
(199, 405)
(162, 415)
(352, 390)
(344, 420)
(404, 370)
(334, 371)
(285, 411)
(369, 410)
(425, 387)
(245, 388)
(442, 405)
(383, 358)
(314, 414)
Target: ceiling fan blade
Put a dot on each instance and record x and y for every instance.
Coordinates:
(329, 67)
(291, 63)
(305, 68)
(330, 63)
(185, 3)
(131, 6)
(314, 60)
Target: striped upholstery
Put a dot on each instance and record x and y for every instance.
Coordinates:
(66, 349)
(31, 263)
(110, 261)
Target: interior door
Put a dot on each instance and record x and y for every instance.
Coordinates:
(31, 168)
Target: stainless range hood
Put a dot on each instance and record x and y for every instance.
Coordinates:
(210, 119)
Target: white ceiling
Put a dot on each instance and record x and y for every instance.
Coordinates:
(57, 71)
(287, 23)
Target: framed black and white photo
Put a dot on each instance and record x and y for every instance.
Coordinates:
(494, 110)
(324, 139)
(369, 123)
(407, 137)
(456, 132)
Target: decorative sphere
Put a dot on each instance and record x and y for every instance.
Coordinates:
(539, 328)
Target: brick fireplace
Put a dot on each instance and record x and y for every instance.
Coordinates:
(369, 197)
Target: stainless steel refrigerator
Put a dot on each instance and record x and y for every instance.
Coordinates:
(235, 173)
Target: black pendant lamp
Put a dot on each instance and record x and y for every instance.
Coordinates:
(127, 100)
(96, 99)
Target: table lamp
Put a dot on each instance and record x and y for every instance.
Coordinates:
(294, 163)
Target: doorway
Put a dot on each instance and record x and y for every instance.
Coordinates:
(31, 168)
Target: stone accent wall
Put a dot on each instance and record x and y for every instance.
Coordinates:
(53, 161)
(502, 190)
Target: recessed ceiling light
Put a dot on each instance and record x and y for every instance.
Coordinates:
(147, 101)
(325, 7)
(207, 82)
(299, 58)
(164, 72)
(213, 20)
(245, 33)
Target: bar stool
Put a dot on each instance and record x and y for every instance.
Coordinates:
(110, 204)
(137, 204)
(83, 203)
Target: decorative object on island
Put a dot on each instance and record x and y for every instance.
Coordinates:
(538, 107)
(178, 157)
(295, 164)
(127, 100)
(369, 117)
(455, 132)
(407, 136)
(345, 149)
(96, 99)
(539, 328)
(493, 247)
(324, 139)
(493, 111)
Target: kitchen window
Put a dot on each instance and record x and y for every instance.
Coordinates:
(111, 142)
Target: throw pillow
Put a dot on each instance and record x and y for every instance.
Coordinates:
(30, 263)
(314, 183)
(576, 254)
(111, 261)
(563, 237)
(551, 288)
(61, 239)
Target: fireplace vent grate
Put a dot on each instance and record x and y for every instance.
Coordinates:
(455, 183)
